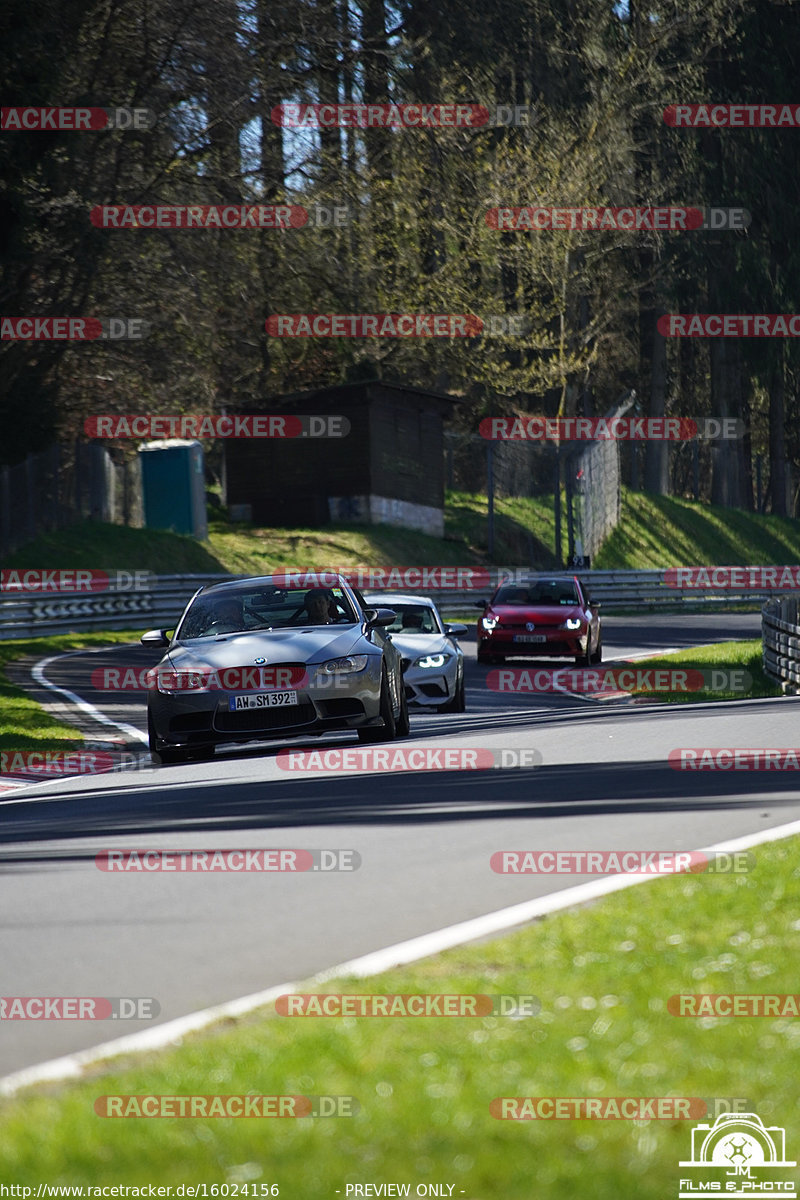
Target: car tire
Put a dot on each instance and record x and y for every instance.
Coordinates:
(583, 660)
(403, 721)
(597, 657)
(388, 731)
(459, 701)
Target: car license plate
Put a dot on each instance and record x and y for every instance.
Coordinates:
(529, 637)
(261, 700)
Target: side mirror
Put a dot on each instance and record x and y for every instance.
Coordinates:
(480, 604)
(380, 616)
(155, 637)
(455, 630)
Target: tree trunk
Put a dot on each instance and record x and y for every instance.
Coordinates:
(777, 431)
(656, 462)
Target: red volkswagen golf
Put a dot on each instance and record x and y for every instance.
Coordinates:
(543, 617)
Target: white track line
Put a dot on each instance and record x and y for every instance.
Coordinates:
(37, 672)
(171, 1032)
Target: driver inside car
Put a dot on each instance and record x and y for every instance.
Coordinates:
(318, 607)
(227, 617)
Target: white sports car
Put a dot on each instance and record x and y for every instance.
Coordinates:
(433, 661)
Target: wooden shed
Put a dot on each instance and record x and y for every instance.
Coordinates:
(389, 469)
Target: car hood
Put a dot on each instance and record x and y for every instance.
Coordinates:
(414, 645)
(520, 614)
(304, 644)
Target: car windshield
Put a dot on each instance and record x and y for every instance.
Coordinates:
(413, 618)
(541, 594)
(265, 607)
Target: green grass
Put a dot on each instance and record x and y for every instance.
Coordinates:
(654, 532)
(26, 725)
(242, 549)
(96, 545)
(729, 656)
(603, 974)
(524, 528)
(660, 531)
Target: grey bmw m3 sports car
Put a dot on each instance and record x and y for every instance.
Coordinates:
(262, 658)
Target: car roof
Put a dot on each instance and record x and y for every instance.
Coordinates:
(539, 579)
(247, 581)
(400, 598)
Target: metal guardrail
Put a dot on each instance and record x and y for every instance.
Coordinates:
(160, 601)
(780, 636)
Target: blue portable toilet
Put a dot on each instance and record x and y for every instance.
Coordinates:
(174, 486)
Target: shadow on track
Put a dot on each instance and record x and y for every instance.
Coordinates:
(413, 798)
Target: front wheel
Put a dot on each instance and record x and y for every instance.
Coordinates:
(459, 701)
(388, 731)
(403, 720)
(597, 657)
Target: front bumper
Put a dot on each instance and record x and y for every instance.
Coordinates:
(184, 719)
(430, 686)
(558, 643)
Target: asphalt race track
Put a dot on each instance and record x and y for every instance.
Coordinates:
(192, 940)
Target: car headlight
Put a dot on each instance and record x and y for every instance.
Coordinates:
(489, 623)
(343, 666)
(431, 660)
(168, 682)
(572, 623)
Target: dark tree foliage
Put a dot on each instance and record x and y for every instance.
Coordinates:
(597, 75)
